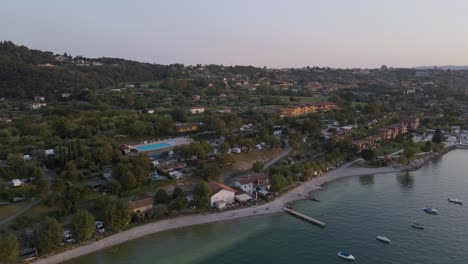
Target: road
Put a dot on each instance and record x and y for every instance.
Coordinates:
(281, 155)
(31, 204)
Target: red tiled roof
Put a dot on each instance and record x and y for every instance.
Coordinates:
(140, 203)
(217, 187)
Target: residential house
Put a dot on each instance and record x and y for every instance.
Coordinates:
(37, 105)
(413, 122)
(251, 183)
(176, 175)
(39, 98)
(197, 110)
(16, 183)
(49, 152)
(196, 98)
(236, 150)
(245, 184)
(4, 120)
(186, 127)
(172, 167)
(221, 195)
(65, 95)
(141, 205)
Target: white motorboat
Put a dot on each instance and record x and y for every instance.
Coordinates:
(346, 255)
(383, 239)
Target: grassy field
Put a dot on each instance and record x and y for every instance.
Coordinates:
(362, 104)
(7, 210)
(389, 148)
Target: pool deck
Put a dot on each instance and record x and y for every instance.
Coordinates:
(168, 144)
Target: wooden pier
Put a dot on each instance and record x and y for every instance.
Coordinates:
(305, 217)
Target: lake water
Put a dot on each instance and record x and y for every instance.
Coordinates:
(356, 210)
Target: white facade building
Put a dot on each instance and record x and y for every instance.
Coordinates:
(222, 195)
(246, 186)
(197, 110)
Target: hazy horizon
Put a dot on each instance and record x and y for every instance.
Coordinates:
(275, 34)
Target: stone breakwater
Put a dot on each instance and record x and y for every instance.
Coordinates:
(418, 163)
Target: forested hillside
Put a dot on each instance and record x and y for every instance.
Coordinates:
(25, 72)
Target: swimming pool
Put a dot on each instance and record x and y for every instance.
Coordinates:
(155, 146)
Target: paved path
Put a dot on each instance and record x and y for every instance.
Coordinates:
(274, 206)
(31, 204)
(281, 155)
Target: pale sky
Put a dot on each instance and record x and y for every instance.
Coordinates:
(272, 33)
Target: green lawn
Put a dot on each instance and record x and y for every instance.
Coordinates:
(389, 148)
(362, 104)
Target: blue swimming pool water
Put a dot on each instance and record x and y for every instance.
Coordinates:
(155, 146)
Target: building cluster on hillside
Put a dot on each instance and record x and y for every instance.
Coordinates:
(386, 133)
(306, 109)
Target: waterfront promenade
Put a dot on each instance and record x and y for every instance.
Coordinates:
(274, 206)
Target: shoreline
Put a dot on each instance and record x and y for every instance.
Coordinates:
(275, 206)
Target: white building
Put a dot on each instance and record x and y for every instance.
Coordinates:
(236, 150)
(37, 105)
(49, 152)
(16, 183)
(245, 185)
(197, 110)
(221, 195)
(176, 175)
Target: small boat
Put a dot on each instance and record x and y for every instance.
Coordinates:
(383, 239)
(430, 210)
(417, 225)
(455, 201)
(346, 255)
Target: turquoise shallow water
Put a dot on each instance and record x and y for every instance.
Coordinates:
(356, 210)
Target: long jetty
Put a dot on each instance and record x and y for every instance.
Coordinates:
(304, 217)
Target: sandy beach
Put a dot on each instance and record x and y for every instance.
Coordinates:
(274, 206)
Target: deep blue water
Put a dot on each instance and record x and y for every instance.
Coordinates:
(356, 210)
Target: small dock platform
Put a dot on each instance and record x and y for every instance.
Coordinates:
(304, 217)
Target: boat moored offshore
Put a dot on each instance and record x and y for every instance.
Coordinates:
(430, 210)
(346, 255)
(383, 239)
(455, 201)
(417, 225)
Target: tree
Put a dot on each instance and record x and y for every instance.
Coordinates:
(410, 151)
(8, 248)
(179, 203)
(178, 192)
(70, 172)
(369, 154)
(162, 197)
(437, 138)
(115, 213)
(258, 166)
(42, 187)
(202, 196)
(49, 235)
(82, 225)
(225, 160)
(224, 148)
(126, 176)
(71, 198)
(278, 183)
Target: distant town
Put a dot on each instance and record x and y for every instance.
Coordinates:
(93, 147)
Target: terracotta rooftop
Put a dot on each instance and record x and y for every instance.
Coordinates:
(140, 203)
(217, 187)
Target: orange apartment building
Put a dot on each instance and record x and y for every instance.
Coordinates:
(306, 109)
